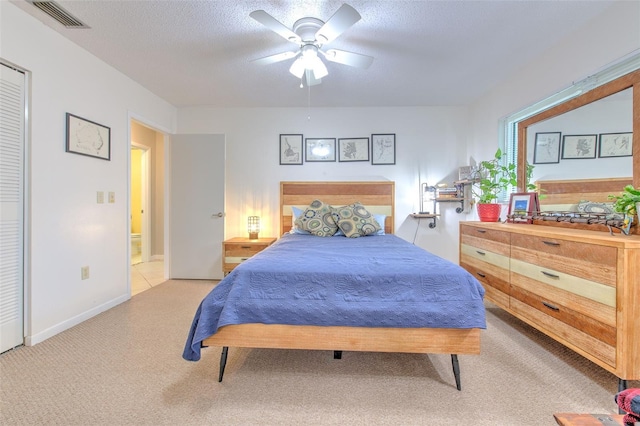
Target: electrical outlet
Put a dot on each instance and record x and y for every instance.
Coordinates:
(112, 197)
(100, 197)
(84, 273)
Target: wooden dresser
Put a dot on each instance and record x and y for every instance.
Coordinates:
(581, 288)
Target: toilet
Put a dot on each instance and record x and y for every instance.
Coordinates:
(136, 244)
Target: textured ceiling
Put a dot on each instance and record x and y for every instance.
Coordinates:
(194, 53)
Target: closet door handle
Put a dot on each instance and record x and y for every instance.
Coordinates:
(550, 306)
(550, 275)
(551, 243)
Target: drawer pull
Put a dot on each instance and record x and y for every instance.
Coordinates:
(550, 275)
(245, 247)
(550, 306)
(481, 274)
(481, 253)
(482, 231)
(242, 259)
(551, 243)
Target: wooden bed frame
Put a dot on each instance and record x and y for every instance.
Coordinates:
(377, 197)
(560, 195)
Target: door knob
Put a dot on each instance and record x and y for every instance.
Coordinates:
(219, 214)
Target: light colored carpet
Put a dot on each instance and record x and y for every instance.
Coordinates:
(124, 367)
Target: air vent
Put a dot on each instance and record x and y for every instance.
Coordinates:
(59, 14)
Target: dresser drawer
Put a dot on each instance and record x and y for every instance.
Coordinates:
(489, 239)
(556, 328)
(589, 261)
(242, 251)
(237, 250)
(491, 269)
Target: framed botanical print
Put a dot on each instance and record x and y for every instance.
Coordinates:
(579, 146)
(615, 145)
(383, 148)
(353, 149)
(320, 149)
(547, 148)
(290, 149)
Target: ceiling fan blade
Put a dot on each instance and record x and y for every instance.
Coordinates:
(274, 25)
(348, 58)
(311, 80)
(344, 18)
(275, 58)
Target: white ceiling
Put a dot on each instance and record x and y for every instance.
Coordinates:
(194, 53)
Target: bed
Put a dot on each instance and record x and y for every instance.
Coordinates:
(332, 323)
(582, 196)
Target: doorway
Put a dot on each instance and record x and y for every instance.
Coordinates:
(146, 237)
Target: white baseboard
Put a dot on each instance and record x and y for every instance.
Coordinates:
(157, 257)
(71, 322)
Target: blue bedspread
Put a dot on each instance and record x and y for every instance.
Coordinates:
(373, 281)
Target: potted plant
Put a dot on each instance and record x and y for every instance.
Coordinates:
(493, 177)
(627, 202)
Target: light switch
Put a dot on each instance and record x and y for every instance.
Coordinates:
(100, 197)
(112, 197)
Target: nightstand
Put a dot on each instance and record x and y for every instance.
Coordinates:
(236, 250)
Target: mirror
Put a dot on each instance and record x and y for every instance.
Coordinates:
(599, 156)
(613, 92)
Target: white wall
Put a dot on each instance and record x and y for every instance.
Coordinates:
(68, 229)
(430, 146)
(613, 35)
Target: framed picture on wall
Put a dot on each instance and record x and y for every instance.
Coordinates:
(290, 149)
(320, 149)
(547, 148)
(89, 138)
(615, 145)
(353, 149)
(383, 148)
(522, 206)
(579, 146)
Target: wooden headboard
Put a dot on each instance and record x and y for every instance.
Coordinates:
(377, 197)
(560, 195)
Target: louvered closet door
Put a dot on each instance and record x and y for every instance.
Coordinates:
(12, 105)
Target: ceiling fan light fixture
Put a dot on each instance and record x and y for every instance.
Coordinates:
(298, 67)
(319, 68)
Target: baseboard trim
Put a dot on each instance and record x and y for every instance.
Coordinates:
(156, 257)
(71, 322)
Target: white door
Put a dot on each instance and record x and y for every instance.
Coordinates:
(12, 143)
(196, 206)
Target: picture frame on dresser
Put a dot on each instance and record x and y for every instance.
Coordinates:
(523, 204)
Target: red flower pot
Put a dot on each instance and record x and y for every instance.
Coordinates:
(489, 212)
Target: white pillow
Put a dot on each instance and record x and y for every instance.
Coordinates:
(380, 218)
(295, 213)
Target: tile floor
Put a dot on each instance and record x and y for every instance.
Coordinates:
(146, 275)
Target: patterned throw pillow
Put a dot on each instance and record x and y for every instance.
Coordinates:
(356, 221)
(593, 207)
(317, 219)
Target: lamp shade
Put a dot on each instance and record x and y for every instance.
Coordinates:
(253, 226)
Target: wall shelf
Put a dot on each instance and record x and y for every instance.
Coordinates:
(431, 216)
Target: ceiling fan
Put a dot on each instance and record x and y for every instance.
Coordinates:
(311, 35)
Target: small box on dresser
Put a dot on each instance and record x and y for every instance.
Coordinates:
(237, 250)
(579, 287)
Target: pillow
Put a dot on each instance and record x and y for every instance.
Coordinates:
(592, 207)
(295, 214)
(356, 221)
(317, 219)
(380, 218)
(599, 208)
